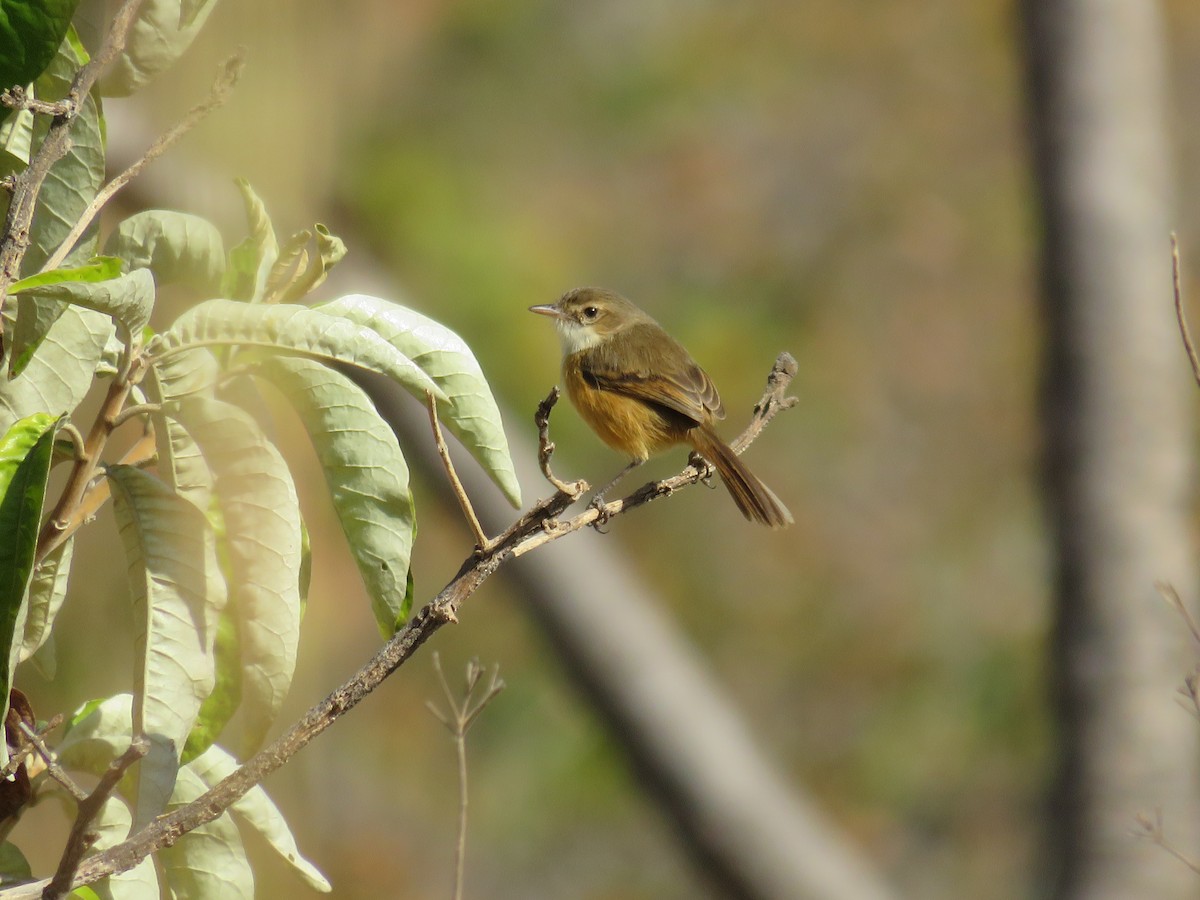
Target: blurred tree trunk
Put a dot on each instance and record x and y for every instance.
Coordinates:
(1117, 466)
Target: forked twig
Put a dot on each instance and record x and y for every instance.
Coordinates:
(1152, 830)
(57, 772)
(82, 837)
(458, 718)
(18, 757)
(481, 539)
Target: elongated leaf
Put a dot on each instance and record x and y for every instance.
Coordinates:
(251, 261)
(60, 374)
(366, 474)
(25, 453)
(257, 811)
(180, 463)
(261, 514)
(159, 36)
(101, 268)
(209, 861)
(470, 410)
(46, 593)
(290, 329)
(177, 247)
(178, 592)
(129, 299)
(112, 826)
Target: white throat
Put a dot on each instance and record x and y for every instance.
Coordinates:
(576, 337)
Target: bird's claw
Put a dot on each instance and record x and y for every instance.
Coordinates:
(602, 514)
(701, 465)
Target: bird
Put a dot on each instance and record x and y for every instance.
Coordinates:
(641, 392)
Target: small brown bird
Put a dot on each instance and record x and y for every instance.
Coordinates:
(641, 392)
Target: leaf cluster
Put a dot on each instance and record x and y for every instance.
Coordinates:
(205, 503)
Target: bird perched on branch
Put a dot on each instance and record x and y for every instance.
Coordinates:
(642, 392)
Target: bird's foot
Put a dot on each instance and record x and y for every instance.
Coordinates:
(602, 514)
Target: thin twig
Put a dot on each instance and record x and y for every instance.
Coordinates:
(482, 542)
(131, 412)
(536, 526)
(82, 837)
(77, 442)
(57, 772)
(17, 98)
(1172, 597)
(1152, 830)
(458, 718)
(229, 72)
(541, 418)
(1183, 325)
(15, 760)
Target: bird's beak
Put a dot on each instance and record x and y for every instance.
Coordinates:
(552, 311)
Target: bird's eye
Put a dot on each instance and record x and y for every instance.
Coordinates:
(590, 312)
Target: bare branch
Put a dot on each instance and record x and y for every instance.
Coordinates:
(82, 837)
(537, 526)
(481, 539)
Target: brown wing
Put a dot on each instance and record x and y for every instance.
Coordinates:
(652, 366)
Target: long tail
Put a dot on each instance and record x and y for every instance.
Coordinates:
(756, 501)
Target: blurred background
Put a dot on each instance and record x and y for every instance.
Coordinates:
(846, 181)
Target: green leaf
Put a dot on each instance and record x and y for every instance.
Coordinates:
(219, 707)
(261, 514)
(178, 592)
(295, 274)
(160, 34)
(30, 33)
(13, 865)
(98, 732)
(251, 261)
(177, 247)
(366, 474)
(100, 268)
(25, 453)
(289, 329)
(210, 860)
(128, 299)
(60, 373)
(16, 140)
(469, 410)
(46, 593)
(180, 463)
(257, 811)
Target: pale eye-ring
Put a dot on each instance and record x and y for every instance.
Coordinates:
(590, 313)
